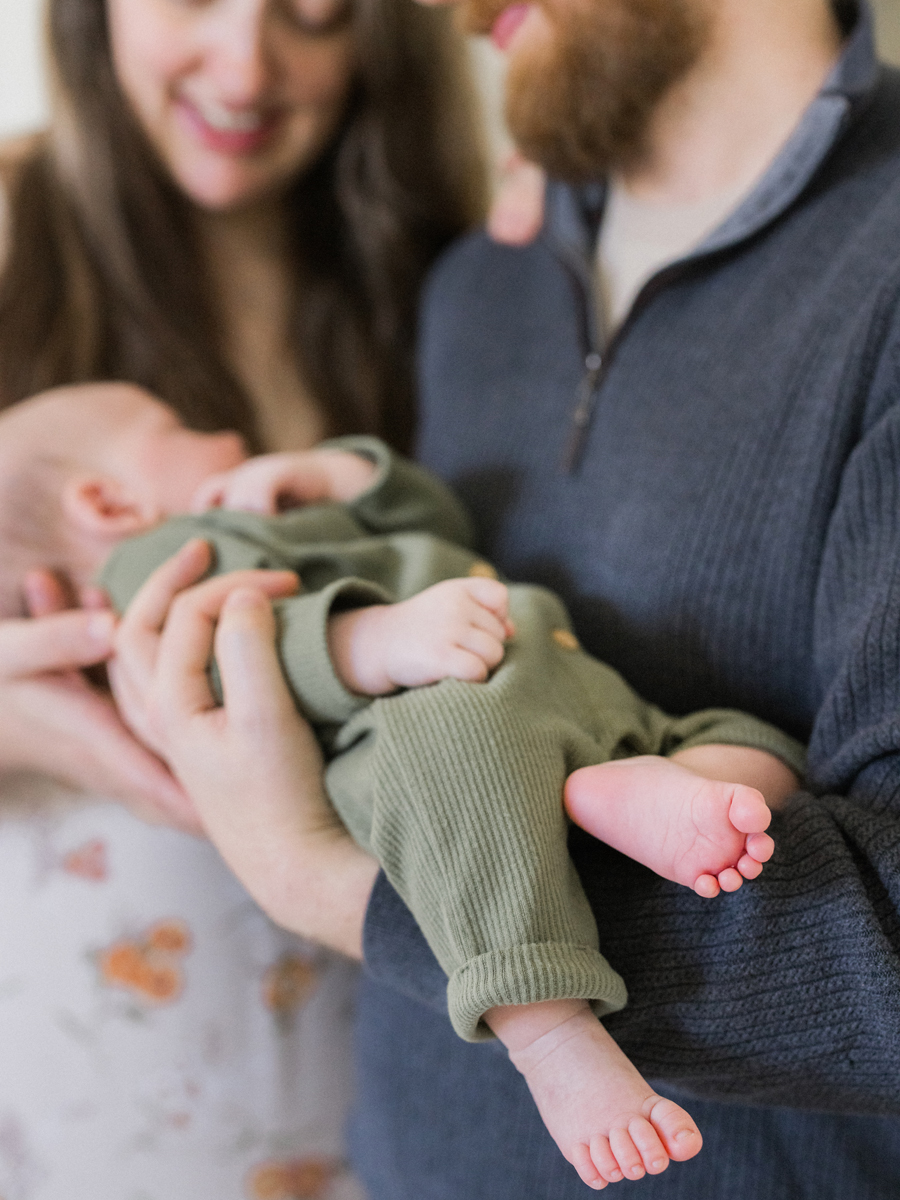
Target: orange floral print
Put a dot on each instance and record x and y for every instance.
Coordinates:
(171, 936)
(149, 964)
(88, 861)
(292, 1179)
(288, 984)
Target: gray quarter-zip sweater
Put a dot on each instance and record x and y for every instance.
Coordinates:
(718, 502)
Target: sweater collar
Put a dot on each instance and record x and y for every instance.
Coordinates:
(573, 214)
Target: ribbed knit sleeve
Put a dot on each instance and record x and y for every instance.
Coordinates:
(787, 992)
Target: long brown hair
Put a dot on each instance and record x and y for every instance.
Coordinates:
(104, 277)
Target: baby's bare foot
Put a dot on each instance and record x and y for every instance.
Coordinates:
(606, 1119)
(699, 832)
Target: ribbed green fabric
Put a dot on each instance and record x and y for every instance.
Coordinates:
(457, 790)
(457, 787)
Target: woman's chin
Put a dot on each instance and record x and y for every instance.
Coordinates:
(228, 190)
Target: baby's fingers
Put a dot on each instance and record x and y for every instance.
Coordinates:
(460, 663)
(490, 611)
(211, 493)
(485, 645)
(491, 594)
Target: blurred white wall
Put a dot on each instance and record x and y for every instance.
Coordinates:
(23, 101)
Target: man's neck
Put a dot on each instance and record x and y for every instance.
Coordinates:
(720, 128)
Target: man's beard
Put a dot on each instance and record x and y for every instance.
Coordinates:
(581, 100)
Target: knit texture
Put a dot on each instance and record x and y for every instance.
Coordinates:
(457, 787)
(731, 536)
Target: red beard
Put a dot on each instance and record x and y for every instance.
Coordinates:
(579, 101)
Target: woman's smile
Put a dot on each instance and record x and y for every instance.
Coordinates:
(228, 131)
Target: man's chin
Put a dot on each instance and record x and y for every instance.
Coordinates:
(581, 97)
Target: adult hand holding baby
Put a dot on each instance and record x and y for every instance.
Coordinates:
(56, 722)
(251, 766)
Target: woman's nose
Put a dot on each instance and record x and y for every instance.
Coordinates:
(236, 50)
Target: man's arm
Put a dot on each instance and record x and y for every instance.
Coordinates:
(787, 992)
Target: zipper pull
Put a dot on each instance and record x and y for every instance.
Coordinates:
(584, 410)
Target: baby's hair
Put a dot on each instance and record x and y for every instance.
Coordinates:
(31, 525)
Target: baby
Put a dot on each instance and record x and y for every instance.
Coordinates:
(451, 707)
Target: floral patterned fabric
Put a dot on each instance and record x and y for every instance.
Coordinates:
(160, 1038)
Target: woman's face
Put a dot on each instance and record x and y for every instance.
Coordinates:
(236, 96)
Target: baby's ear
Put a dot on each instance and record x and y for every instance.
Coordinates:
(102, 506)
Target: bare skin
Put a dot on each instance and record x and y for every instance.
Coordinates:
(606, 1119)
(706, 834)
(701, 833)
(58, 722)
(453, 630)
(118, 478)
(298, 862)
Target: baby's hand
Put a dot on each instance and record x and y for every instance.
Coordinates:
(453, 630)
(272, 483)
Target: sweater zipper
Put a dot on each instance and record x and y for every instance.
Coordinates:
(584, 410)
(597, 362)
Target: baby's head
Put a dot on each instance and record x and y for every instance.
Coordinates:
(83, 467)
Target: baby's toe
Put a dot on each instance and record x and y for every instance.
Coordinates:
(584, 1164)
(680, 1136)
(749, 812)
(649, 1145)
(749, 867)
(730, 880)
(604, 1159)
(626, 1153)
(760, 846)
(706, 886)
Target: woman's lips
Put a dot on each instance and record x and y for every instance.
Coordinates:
(507, 24)
(236, 140)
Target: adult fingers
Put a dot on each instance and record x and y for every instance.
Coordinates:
(517, 213)
(185, 650)
(63, 641)
(63, 727)
(252, 679)
(121, 767)
(147, 611)
(44, 593)
(92, 596)
(188, 638)
(263, 722)
(137, 639)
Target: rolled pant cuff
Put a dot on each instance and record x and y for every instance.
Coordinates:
(526, 975)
